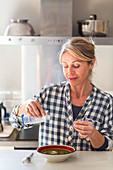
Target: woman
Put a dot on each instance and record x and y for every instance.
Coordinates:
(81, 115)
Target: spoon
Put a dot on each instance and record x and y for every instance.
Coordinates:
(27, 159)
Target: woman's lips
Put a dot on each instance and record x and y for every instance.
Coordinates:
(72, 79)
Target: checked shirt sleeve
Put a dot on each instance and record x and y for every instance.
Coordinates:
(16, 121)
(107, 129)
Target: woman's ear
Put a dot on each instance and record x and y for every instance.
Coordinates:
(92, 63)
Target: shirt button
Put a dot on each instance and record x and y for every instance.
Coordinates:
(81, 114)
(70, 144)
(71, 128)
(70, 117)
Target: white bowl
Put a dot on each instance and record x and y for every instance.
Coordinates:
(55, 157)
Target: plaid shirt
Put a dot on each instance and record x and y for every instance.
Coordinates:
(55, 98)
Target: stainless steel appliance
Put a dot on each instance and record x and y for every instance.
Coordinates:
(40, 65)
(56, 17)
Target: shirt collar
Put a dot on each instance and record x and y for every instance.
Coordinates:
(93, 93)
(68, 90)
(90, 97)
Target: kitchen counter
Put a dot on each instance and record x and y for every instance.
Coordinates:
(82, 160)
(25, 139)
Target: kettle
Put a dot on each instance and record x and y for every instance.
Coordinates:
(4, 108)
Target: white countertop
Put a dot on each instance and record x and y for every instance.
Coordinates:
(80, 160)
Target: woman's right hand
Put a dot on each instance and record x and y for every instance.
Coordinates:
(32, 108)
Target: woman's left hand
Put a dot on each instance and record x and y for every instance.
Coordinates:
(85, 128)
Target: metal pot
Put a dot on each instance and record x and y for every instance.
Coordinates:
(19, 27)
(93, 27)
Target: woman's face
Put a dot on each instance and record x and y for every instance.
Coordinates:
(75, 70)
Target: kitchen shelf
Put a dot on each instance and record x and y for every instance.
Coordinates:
(31, 40)
(41, 40)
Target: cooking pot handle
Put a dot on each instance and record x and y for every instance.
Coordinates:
(93, 17)
(83, 22)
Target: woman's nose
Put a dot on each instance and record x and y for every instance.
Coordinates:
(70, 71)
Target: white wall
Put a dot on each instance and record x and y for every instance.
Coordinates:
(10, 68)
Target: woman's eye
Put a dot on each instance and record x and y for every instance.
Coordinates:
(65, 66)
(73, 66)
(76, 66)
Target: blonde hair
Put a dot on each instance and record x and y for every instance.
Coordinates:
(80, 48)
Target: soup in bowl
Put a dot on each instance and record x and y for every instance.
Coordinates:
(56, 153)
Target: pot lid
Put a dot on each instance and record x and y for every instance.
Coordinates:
(19, 20)
(92, 18)
(88, 21)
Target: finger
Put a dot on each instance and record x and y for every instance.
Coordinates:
(83, 136)
(34, 109)
(88, 128)
(39, 107)
(85, 123)
(30, 110)
(82, 132)
(81, 127)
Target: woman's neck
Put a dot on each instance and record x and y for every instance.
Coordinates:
(81, 91)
